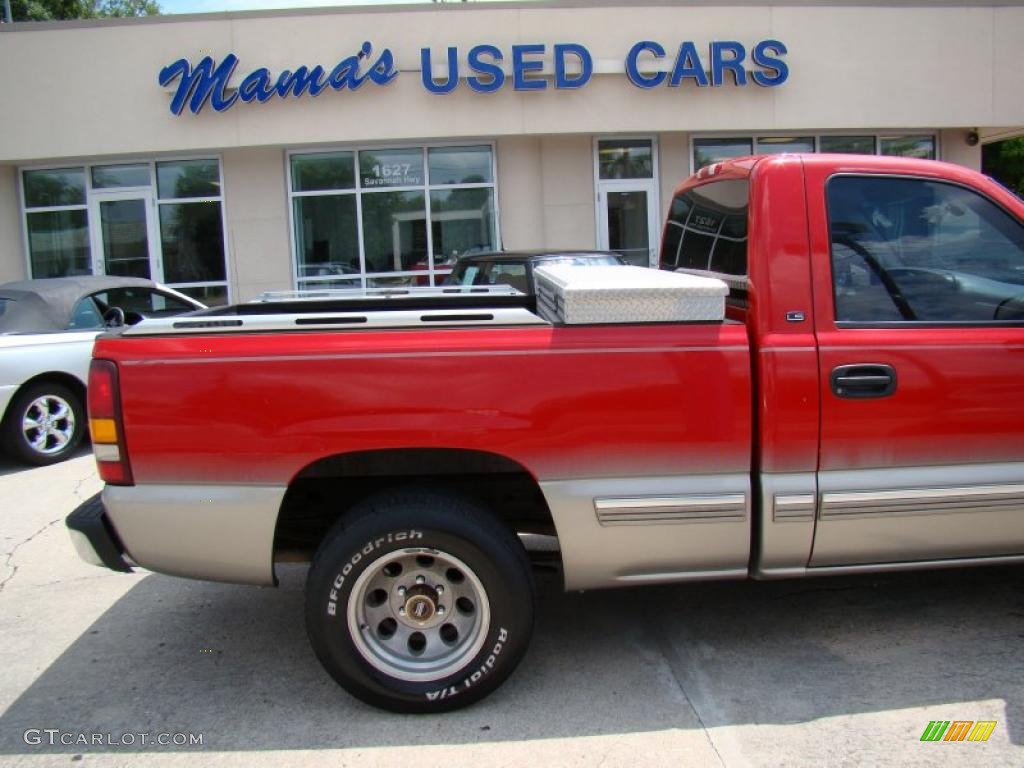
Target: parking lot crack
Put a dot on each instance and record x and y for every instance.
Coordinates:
(9, 562)
(77, 493)
(674, 662)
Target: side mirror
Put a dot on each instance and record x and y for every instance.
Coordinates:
(113, 318)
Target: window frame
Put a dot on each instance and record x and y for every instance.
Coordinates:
(151, 162)
(652, 138)
(908, 324)
(754, 136)
(362, 279)
(650, 186)
(739, 285)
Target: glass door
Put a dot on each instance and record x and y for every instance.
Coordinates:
(124, 235)
(627, 199)
(626, 225)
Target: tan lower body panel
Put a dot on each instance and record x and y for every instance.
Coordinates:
(647, 530)
(218, 532)
(919, 513)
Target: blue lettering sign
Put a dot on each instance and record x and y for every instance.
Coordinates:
(301, 80)
(521, 65)
(207, 82)
(562, 80)
(256, 86)
(688, 64)
(494, 76)
(720, 64)
(204, 83)
(427, 72)
(766, 55)
(725, 56)
(383, 70)
(633, 69)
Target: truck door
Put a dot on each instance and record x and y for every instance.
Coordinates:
(919, 300)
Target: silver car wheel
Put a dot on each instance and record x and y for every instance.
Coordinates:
(48, 424)
(418, 614)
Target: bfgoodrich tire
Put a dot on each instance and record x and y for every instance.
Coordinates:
(419, 602)
(44, 424)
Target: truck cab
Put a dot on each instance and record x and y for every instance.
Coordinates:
(884, 300)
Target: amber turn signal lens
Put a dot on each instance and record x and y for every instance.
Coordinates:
(103, 430)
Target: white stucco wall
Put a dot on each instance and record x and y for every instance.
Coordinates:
(852, 67)
(520, 203)
(953, 148)
(86, 92)
(12, 249)
(256, 204)
(674, 165)
(567, 191)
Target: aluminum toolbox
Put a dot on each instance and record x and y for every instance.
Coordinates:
(577, 295)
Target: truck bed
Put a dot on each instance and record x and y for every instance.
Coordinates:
(564, 402)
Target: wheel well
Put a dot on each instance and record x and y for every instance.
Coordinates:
(60, 377)
(322, 492)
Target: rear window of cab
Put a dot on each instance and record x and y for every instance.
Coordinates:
(706, 232)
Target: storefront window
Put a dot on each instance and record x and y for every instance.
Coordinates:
(57, 187)
(191, 227)
(113, 176)
(460, 165)
(714, 150)
(326, 235)
(211, 295)
(395, 231)
(391, 168)
(99, 219)
(58, 242)
(708, 151)
(57, 222)
(374, 224)
(625, 159)
(323, 170)
(850, 145)
(188, 178)
(774, 145)
(192, 238)
(908, 146)
(461, 221)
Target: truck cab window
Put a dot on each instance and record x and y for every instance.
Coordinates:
(918, 250)
(706, 233)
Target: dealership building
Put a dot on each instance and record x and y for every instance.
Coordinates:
(231, 154)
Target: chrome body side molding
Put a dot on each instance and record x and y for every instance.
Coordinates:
(647, 530)
(214, 532)
(913, 565)
(785, 532)
(919, 514)
(654, 510)
(923, 501)
(794, 508)
(677, 577)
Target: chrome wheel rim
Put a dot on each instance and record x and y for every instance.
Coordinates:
(418, 614)
(48, 424)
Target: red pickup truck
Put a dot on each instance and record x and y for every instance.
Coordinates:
(861, 408)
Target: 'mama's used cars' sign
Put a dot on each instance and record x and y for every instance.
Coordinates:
(484, 71)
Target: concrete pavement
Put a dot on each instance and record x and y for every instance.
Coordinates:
(836, 672)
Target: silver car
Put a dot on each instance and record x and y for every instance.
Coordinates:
(47, 329)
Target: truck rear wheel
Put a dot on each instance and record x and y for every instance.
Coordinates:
(419, 602)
